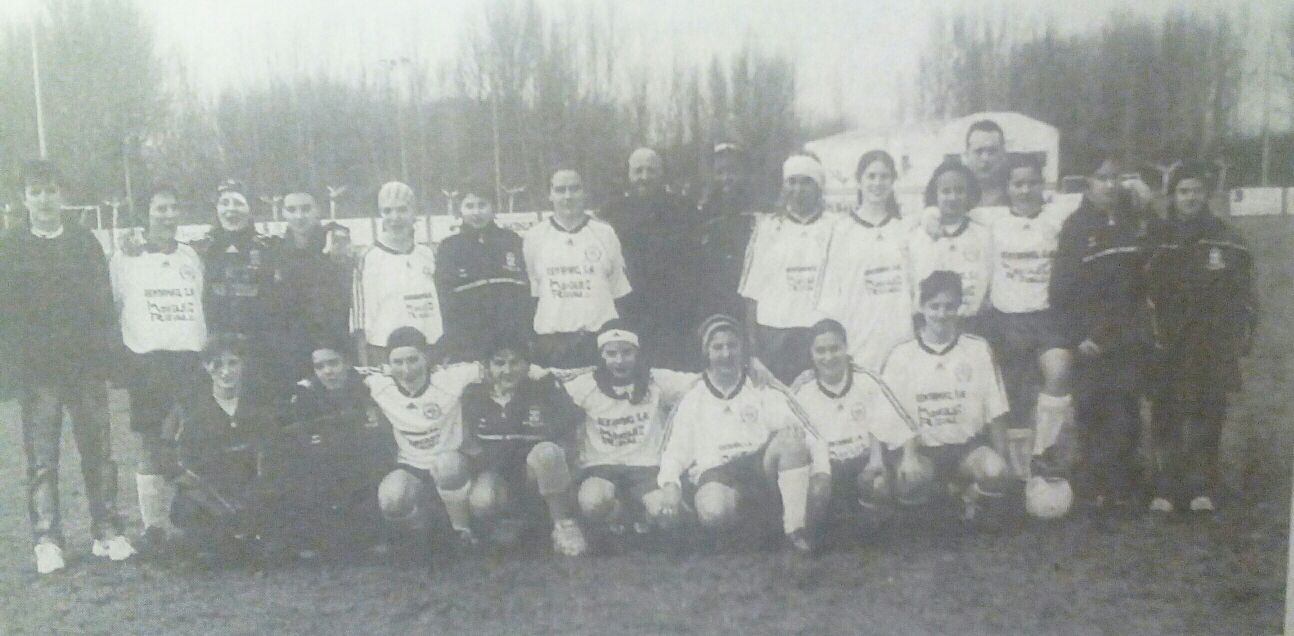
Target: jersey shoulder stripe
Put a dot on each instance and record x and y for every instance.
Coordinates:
(889, 396)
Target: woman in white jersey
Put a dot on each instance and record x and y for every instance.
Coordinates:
(859, 419)
(736, 442)
(157, 285)
(947, 381)
(959, 245)
(1018, 318)
(864, 280)
(626, 405)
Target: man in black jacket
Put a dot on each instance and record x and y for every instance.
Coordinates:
(1097, 288)
(658, 231)
(728, 213)
(315, 277)
(59, 330)
(482, 281)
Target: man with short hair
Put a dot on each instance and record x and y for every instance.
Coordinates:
(728, 210)
(985, 155)
(658, 230)
(577, 271)
(395, 284)
(315, 267)
(59, 331)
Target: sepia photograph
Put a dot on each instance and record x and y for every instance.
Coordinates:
(619, 317)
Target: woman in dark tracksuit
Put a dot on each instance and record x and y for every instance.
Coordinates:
(1097, 289)
(1200, 280)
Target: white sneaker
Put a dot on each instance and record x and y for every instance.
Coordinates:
(49, 557)
(115, 548)
(1159, 504)
(1202, 504)
(568, 539)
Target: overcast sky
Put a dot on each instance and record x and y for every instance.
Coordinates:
(853, 55)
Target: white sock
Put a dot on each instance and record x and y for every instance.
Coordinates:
(155, 495)
(1054, 414)
(457, 507)
(793, 483)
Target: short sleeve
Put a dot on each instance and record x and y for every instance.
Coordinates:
(530, 254)
(619, 281)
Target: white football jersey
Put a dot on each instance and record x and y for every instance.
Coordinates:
(394, 289)
(619, 433)
(965, 251)
(159, 300)
(1023, 251)
(952, 393)
(708, 429)
(865, 286)
(576, 274)
(783, 270)
(430, 422)
(846, 419)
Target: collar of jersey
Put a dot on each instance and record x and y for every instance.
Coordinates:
(948, 347)
(578, 226)
(786, 214)
(1021, 216)
(849, 384)
(47, 235)
(961, 229)
(390, 250)
(868, 224)
(420, 392)
(714, 390)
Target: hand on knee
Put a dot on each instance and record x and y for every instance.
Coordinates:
(654, 504)
(716, 505)
(597, 499)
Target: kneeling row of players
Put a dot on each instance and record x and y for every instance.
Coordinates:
(621, 447)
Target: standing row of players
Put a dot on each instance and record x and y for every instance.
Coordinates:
(853, 401)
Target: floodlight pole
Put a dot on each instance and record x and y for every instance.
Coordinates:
(35, 80)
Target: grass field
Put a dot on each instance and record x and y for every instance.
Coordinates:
(1083, 575)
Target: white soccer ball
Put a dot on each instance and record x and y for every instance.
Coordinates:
(1048, 498)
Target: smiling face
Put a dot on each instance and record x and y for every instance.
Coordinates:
(232, 211)
(397, 217)
(830, 355)
(408, 368)
(952, 196)
(940, 311)
(300, 212)
(646, 172)
(1024, 187)
(1103, 186)
(725, 352)
(801, 195)
(163, 213)
(985, 154)
(876, 183)
(226, 371)
(477, 211)
(506, 368)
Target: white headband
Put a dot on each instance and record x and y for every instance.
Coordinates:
(617, 335)
(805, 166)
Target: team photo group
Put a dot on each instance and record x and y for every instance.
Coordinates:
(659, 372)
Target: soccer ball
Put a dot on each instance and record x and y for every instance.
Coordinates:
(917, 490)
(1048, 497)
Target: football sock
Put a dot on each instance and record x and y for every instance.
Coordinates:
(457, 507)
(793, 483)
(1055, 413)
(155, 495)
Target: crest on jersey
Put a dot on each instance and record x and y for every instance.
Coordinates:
(432, 411)
(188, 273)
(592, 253)
(963, 372)
(749, 414)
(858, 412)
(1216, 262)
(534, 418)
(510, 261)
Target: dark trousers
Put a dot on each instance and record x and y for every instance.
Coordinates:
(1186, 433)
(86, 402)
(1110, 421)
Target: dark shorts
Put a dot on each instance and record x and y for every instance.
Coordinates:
(744, 474)
(632, 482)
(1024, 335)
(155, 383)
(948, 458)
(422, 474)
(507, 460)
(844, 478)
